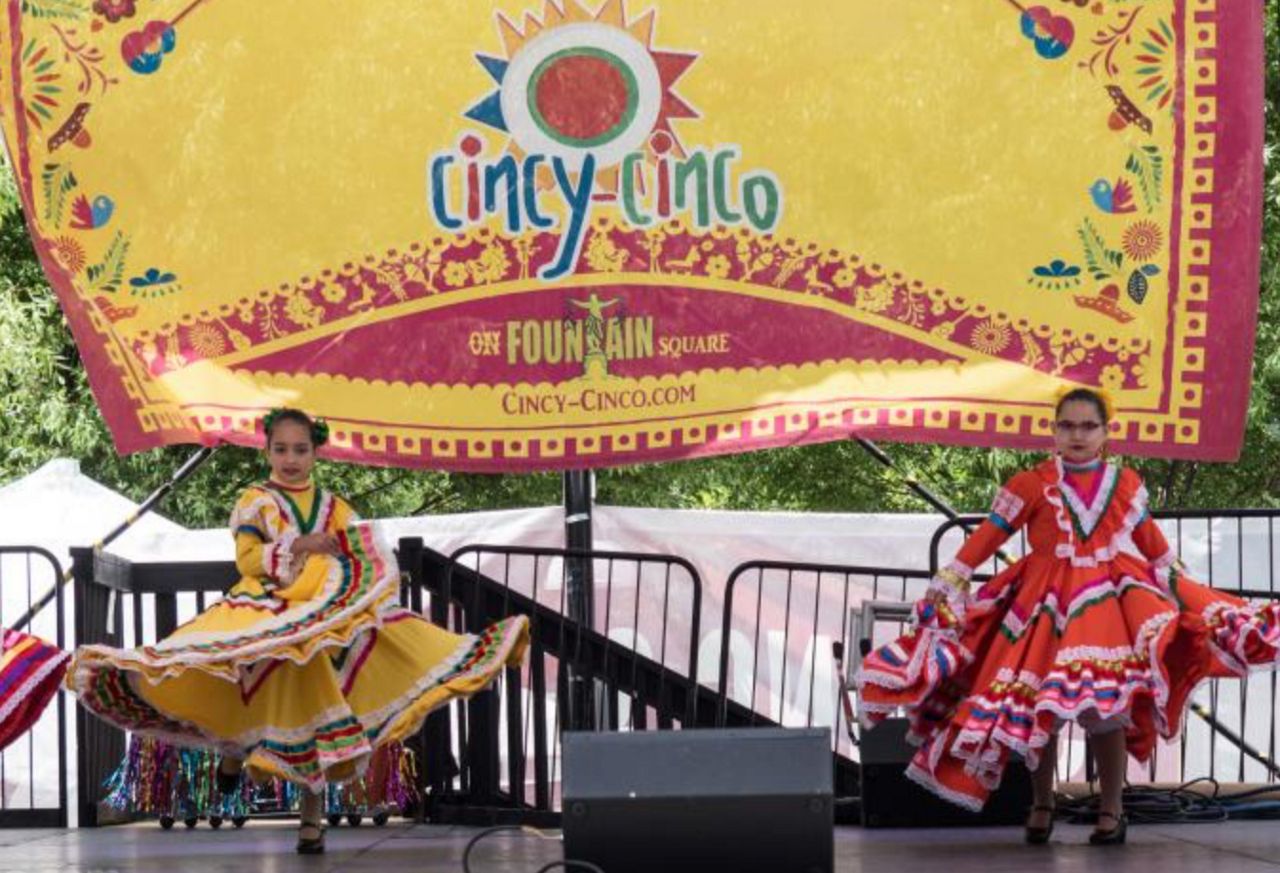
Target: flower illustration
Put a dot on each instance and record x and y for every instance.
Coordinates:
(1055, 276)
(845, 276)
(717, 266)
(114, 10)
(1142, 240)
(154, 283)
(1112, 377)
(333, 292)
(990, 338)
(492, 265)
(875, 298)
(68, 253)
(302, 311)
(455, 274)
(207, 341)
(1158, 64)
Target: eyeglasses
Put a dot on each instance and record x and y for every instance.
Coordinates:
(1084, 428)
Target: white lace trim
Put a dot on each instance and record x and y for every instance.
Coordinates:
(959, 600)
(922, 661)
(1017, 626)
(277, 558)
(30, 683)
(926, 780)
(1058, 493)
(1090, 514)
(252, 514)
(176, 663)
(1235, 657)
(1007, 505)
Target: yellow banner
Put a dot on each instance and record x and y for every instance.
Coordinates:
(522, 235)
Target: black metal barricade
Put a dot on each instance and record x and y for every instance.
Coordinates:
(636, 684)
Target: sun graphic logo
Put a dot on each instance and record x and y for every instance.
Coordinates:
(585, 105)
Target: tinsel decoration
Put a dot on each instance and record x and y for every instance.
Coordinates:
(155, 778)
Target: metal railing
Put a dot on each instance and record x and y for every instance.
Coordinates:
(121, 603)
(785, 618)
(636, 683)
(39, 801)
(633, 653)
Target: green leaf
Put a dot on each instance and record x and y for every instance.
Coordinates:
(1096, 255)
(107, 275)
(57, 181)
(69, 9)
(1147, 166)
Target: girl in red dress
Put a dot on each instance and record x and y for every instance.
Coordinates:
(1079, 630)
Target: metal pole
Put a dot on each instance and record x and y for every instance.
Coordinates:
(180, 475)
(579, 587)
(1234, 738)
(921, 490)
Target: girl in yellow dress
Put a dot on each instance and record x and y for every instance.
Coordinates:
(307, 665)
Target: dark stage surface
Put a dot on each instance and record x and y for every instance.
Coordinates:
(268, 846)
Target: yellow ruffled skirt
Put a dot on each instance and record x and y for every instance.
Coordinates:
(303, 682)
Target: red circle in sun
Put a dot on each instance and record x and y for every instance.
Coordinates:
(582, 96)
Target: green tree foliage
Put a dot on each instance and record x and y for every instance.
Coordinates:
(47, 411)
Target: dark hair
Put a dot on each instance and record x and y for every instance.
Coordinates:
(1084, 395)
(317, 428)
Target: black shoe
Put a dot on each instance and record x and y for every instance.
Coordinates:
(228, 782)
(1040, 836)
(1113, 836)
(311, 845)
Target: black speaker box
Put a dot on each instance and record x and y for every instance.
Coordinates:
(890, 799)
(748, 800)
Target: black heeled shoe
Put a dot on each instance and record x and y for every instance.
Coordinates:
(1040, 836)
(310, 845)
(1112, 837)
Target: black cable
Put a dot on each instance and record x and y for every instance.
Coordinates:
(488, 832)
(566, 864)
(1178, 805)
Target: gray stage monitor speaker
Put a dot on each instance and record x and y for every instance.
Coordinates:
(743, 800)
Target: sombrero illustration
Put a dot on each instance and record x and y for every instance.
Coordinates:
(1106, 302)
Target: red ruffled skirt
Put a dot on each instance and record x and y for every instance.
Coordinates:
(1044, 643)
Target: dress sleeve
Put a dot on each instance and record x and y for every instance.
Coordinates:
(249, 548)
(1150, 540)
(258, 554)
(1009, 512)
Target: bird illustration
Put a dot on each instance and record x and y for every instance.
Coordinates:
(88, 216)
(1113, 199)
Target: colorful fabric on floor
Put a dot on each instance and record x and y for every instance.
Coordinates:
(30, 672)
(1078, 630)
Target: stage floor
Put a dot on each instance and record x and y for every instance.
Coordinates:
(1243, 847)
